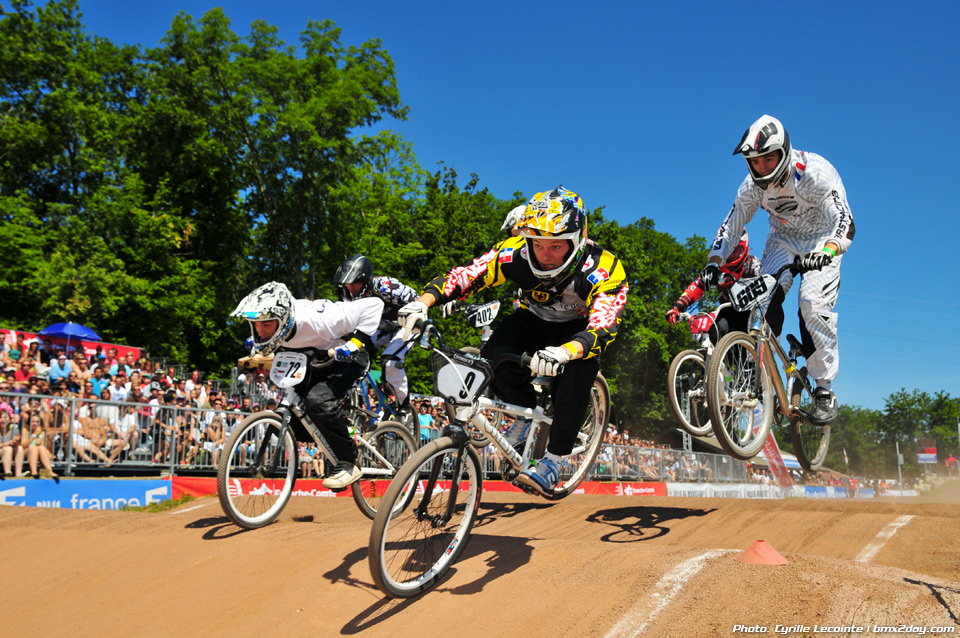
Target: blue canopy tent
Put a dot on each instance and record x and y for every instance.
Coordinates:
(70, 330)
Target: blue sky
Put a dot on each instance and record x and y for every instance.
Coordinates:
(637, 106)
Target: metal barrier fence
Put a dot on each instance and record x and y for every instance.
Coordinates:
(638, 464)
(86, 433)
(92, 434)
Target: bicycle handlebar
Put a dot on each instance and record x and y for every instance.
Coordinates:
(428, 329)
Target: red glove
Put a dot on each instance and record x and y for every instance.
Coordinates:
(673, 316)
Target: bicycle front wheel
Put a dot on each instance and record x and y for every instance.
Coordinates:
(740, 415)
(256, 471)
(810, 442)
(380, 455)
(686, 385)
(412, 547)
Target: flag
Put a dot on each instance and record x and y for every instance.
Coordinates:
(846, 461)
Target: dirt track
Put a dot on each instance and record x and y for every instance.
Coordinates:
(586, 566)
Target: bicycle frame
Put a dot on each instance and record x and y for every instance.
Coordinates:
(367, 382)
(768, 345)
(768, 358)
(290, 408)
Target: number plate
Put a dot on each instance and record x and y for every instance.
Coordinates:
(288, 369)
(485, 314)
(459, 383)
(751, 293)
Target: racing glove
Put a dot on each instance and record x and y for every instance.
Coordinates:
(409, 315)
(549, 361)
(710, 275)
(673, 316)
(347, 350)
(815, 260)
(448, 308)
(513, 217)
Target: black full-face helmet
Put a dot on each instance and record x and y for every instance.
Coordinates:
(355, 269)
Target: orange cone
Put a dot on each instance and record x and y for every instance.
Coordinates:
(762, 553)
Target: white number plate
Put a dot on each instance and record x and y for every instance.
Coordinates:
(459, 383)
(751, 293)
(289, 369)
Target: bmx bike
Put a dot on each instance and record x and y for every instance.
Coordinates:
(258, 468)
(426, 516)
(745, 391)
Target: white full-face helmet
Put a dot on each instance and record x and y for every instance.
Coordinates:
(268, 302)
(766, 136)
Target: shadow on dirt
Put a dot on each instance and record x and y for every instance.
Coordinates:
(937, 591)
(634, 524)
(221, 527)
(501, 555)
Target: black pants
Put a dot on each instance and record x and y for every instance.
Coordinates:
(327, 387)
(524, 332)
(727, 320)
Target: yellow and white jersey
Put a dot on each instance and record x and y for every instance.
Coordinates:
(595, 294)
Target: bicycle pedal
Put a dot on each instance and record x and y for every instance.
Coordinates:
(337, 490)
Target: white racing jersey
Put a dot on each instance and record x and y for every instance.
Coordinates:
(808, 211)
(322, 324)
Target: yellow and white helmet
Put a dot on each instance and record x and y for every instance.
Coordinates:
(556, 214)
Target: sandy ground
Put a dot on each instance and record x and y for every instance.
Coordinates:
(588, 566)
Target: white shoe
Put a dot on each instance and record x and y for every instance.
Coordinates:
(344, 475)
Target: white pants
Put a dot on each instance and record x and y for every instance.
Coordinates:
(394, 351)
(817, 297)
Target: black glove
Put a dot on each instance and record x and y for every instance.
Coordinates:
(816, 260)
(709, 275)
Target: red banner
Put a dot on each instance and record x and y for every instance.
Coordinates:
(202, 486)
(89, 347)
(771, 452)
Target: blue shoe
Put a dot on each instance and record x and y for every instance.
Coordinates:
(543, 477)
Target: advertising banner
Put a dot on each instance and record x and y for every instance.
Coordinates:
(98, 494)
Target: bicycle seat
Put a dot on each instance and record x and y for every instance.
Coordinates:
(794, 343)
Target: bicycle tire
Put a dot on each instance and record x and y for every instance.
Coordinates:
(810, 442)
(686, 386)
(395, 443)
(731, 402)
(249, 494)
(409, 550)
(590, 436)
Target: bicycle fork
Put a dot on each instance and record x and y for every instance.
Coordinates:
(459, 435)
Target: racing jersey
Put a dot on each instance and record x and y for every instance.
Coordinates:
(693, 292)
(595, 294)
(394, 295)
(322, 324)
(809, 210)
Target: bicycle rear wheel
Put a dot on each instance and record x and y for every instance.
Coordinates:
(256, 471)
(576, 466)
(412, 547)
(810, 442)
(380, 456)
(686, 385)
(740, 417)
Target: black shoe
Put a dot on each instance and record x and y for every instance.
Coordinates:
(826, 407)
